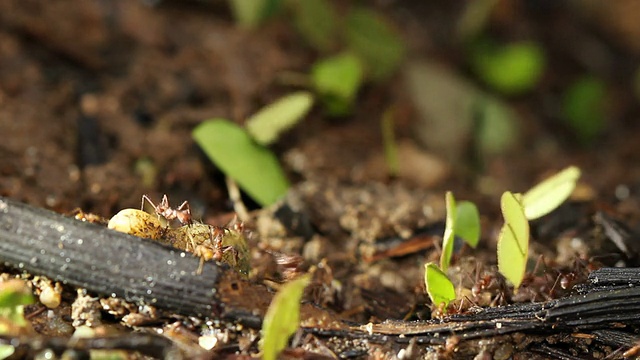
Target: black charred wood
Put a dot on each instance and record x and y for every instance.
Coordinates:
(106, 262)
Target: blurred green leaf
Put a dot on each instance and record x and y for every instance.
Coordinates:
(266, 125)
(282, 318)
(584, 108)
(316, 22)
(453, 110)
(389, 142)
(449, 231)
(252, 166)
(513, 240)
(467, 224)
(337, 80)
(439, 288)
(375, 42)
(15, 293)
(550, 193)
(496, 129)
(6, 351)
(511, 69)
(250, 13)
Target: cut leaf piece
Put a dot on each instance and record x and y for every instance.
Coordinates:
(550, 193)
(253, 167)
(439, 288)
(512, 261)
(266, 125)
(467, 224)
(375, 42)
(337, 80)
(282, 318)
(513, 213)
(449, 231)
(513, 241)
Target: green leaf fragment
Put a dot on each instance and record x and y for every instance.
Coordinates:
(439, 288)
(513, 213)
(550, 193)
(375, 42)
(513, 241)
(255, 169)
(512, 262)
(266, 125)
(449, 231)
(337, 80)
(282, 318)
(467, 224)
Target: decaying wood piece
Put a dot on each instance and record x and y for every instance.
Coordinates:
(107, 262)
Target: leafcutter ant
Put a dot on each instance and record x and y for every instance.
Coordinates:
(217, 234)
(182, 213)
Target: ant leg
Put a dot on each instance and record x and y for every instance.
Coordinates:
(185, 206)
(165, 202)
(147, 199)
(233, 250)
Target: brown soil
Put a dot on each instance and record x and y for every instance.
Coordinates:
(98, 100)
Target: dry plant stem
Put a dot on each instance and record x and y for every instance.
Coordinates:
(106, 262)
(236, 198)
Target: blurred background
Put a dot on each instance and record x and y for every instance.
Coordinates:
(99, 99)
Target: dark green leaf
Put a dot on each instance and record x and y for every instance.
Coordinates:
(316, 22)
(584, 108)
(369, 36)
(253, 167)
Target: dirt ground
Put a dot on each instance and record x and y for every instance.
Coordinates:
(98, 101)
